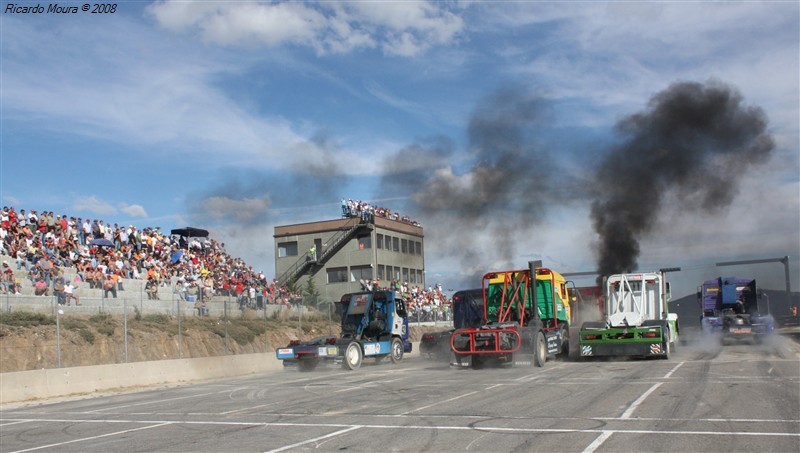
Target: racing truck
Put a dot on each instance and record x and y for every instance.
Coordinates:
(637, 319)
(525, 320)
(730, 310)
(373, 324)
(467, 311)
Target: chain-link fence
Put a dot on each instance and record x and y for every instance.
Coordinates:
(53, 331)
(45, 332)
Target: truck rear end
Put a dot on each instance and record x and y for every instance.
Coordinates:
(637, 321)
(730, 310)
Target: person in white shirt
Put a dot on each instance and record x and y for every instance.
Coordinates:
(69, 293)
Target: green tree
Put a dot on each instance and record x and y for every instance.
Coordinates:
(310, 293)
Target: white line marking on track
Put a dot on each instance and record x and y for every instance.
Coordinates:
(640, 400)
(598, 442)
(82, 439)
(15, 423)
(350, 389)
(156, 423)
(247, 408)
(154, 401)
(674, 369)
(403, 416)
(439, 402)
(531, 377)
(333, 434)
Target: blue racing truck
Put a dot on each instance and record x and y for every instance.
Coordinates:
(374, 324)
(730, 310)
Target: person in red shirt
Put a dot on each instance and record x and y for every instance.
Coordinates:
(239, 289)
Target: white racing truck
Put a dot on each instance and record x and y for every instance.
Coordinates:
(638, 321)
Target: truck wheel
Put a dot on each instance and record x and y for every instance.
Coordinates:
(564, 342)
(539, 350)
(666, 343)
(396, 350)
(352, 356)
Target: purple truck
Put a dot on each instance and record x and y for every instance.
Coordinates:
(730, 309)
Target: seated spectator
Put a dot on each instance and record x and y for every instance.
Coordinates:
(40, 288)
(109, 286)
(22, 259)
(35, 274)
(151, 288)
(58, 291)
(69, 293)
(7, 280)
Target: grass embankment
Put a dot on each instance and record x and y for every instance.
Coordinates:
(243, 330)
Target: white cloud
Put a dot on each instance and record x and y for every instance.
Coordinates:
(11, 200)
(398, 28)
(166, 95)
(94, 205)
(617, 54)
(133, 210)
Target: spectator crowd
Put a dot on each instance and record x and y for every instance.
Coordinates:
(423, 304)
(44, 244)
(102, 255)
(366, 212)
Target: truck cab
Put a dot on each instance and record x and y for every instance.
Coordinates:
(374, 324)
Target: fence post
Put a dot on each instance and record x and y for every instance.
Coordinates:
(180, 335)
(225, 320)
(125, 317)
(58, 335)
(300, 306)
(266, 331)
(330, 322)
(141, 297)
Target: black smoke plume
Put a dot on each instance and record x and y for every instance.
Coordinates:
(694, 141)
(498, 188)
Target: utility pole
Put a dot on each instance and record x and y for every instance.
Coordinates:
(784, 261)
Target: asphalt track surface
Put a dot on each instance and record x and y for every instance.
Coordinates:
(704, 398)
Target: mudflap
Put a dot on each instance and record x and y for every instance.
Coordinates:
(461, 360)
(553, 341)
(522, 359)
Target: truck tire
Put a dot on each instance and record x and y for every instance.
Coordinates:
(352, 356)
(666, 344)
(539, 350)
(396, 353)
(564, 354)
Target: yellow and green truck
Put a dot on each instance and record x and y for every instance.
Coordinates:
(525, 320)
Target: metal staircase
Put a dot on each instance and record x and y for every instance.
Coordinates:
(305, 264)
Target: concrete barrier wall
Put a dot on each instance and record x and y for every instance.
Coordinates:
(49, 383)
(57, 382)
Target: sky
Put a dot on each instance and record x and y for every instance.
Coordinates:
(590, 135)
